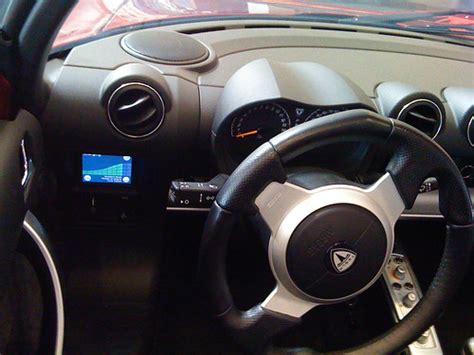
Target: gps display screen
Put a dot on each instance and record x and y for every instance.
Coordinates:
(106, 169)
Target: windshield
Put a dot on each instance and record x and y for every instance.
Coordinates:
(91, 18)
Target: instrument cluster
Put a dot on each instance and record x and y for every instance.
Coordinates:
(259, 122)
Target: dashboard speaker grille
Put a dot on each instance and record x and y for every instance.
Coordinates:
(423, 114)
(136, 110)
(165, 47)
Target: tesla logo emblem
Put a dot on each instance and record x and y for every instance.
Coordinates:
(342, 259)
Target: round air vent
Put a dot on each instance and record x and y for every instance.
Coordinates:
(423, 114)
(136, 110)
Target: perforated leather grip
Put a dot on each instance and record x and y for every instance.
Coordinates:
(347, 126)
(251, 176)
(255, 327)
(417, 157)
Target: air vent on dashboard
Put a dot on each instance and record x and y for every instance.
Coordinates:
(136, 110)
(424, 115)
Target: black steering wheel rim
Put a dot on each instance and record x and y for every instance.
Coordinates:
(415, 157)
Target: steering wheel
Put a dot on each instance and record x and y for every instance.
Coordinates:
(330, 241)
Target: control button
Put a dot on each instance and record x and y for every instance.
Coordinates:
(400, 272)
(409, 300)
(408, 286)
(195, 194)
(93, 209)
(467, 172)
(423, 339)
(396, 286)
(428, 185)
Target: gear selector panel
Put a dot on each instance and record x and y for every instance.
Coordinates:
(405, 293)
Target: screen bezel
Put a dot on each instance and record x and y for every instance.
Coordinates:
(132, 184)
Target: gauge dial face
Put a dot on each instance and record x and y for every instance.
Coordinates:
(257, 125)
(319, 112)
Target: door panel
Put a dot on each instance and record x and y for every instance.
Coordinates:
(21, 161)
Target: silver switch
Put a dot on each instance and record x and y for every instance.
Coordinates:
(423, 339)
(400, 272)
(409, 300)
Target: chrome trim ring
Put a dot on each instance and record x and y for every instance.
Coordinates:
(35, 230)
(187, 209)
(471, 143)
(419, 216)
(440, 112)
(163, 110)
(26, 163)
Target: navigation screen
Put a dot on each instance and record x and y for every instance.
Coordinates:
(106, 169)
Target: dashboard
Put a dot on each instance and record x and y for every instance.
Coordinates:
(196, 99)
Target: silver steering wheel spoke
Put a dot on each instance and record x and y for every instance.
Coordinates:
(385, 193)
(277, 200)
(282, 301)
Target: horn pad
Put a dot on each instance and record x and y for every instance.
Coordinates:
(336, 251)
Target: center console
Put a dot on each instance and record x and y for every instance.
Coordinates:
(111, 189)
(107, 189)
(404, 293)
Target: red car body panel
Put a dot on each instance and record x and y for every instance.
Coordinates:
(451, 20)
(93, 17)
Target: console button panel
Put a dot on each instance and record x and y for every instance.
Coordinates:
(405, 293)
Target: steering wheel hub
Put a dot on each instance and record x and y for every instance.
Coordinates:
(336, 251)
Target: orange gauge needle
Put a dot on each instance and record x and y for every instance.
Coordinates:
(245, 134)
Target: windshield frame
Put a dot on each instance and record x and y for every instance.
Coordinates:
(311, 21)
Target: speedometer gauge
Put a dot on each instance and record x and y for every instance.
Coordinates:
(320, 112)
(257, 125)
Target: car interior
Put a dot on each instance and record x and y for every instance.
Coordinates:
(275, 177)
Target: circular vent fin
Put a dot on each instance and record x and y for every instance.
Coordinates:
(136, 110)
(423, 114)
